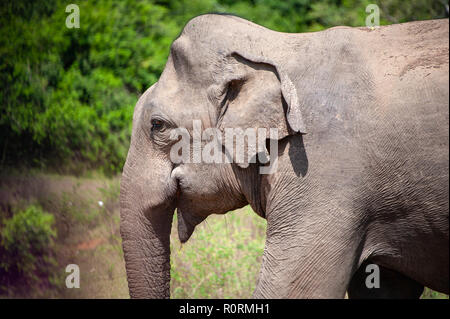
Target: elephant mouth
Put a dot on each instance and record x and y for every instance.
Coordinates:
(186, 224)
(187, 221)
(188, 217)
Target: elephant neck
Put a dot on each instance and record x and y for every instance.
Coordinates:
(281, 192)
(249, 186)
(268, 194)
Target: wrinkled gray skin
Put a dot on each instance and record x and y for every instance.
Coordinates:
(363, 156)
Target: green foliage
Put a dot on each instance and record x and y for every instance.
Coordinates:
(26, 241)
(67, 95)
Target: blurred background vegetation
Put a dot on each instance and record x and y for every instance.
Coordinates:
(66, 104)
(67, 95)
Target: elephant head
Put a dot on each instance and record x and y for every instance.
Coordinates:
(224, 72)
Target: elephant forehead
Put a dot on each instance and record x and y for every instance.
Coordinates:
(181, 106)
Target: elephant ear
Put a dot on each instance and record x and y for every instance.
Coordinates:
(258, 95)
(288, 90)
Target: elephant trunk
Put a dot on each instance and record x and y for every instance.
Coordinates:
(146, 212)
(146, 246)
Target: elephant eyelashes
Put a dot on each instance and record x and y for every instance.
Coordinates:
(157, 125)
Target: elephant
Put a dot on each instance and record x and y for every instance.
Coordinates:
(362, 156)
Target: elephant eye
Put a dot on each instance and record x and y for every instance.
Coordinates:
(157, 125)
(233, 88)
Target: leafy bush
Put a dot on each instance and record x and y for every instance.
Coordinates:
(25, 240)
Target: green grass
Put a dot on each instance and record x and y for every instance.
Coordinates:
(221, 259)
